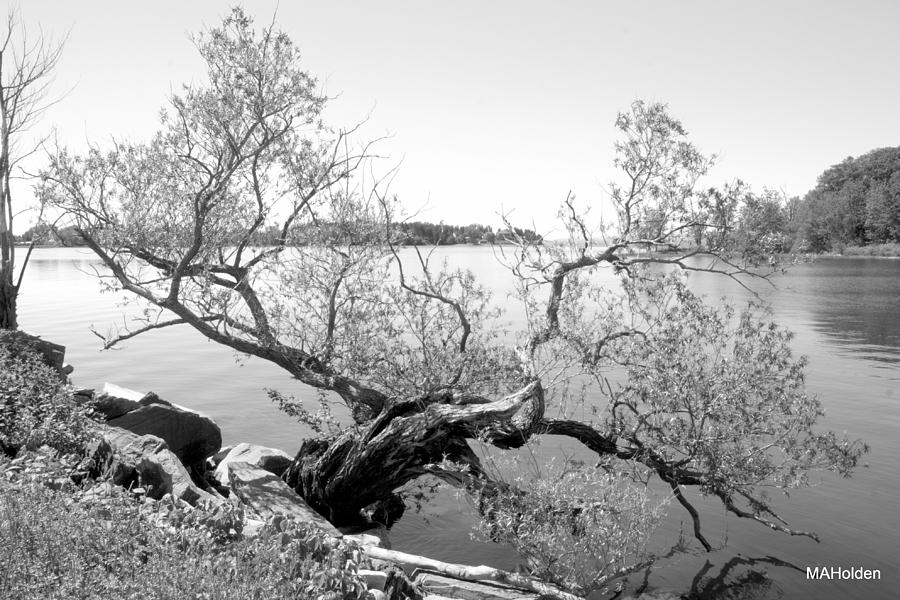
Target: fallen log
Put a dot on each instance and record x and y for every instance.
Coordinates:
(469, 573)
(443, 586)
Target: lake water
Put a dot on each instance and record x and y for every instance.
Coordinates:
(846, 316)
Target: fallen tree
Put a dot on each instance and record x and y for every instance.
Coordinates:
(648, 378)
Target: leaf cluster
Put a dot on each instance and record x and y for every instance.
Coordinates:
(36, 407)
(573, 524)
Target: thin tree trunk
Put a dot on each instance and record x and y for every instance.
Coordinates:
(8, 309)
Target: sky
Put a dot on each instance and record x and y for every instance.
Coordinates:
(506, 106)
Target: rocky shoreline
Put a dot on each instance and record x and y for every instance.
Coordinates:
(165, 453)
(169, 460)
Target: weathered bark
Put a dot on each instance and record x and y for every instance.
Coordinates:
(365, 465)
(361, 466)
(8, 305)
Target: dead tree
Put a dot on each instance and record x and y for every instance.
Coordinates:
(26, 69)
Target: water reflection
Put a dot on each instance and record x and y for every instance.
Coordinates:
(740, 578)
(853, 302)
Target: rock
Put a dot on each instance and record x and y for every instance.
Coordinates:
(130, 445)
(152, 398)
(114, 401)
(190, 435)
(217, 458)
(443, 586)
(112, 407)
(54, 354)
(162, 473)
(111, 389)
(267, 495)
(273, 460)
(146, 461)
(98, 460)
(83, 395)
(368, 535)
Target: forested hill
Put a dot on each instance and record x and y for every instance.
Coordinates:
(855, 203)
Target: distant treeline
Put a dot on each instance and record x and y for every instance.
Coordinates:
(409, 233)
(45, 234)
(416, 233)
(855, 204)
(430, 234)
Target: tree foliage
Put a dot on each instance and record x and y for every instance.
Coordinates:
(856, 202)
(643, 374)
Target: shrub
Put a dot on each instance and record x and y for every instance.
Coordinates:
(36, 407)
(101, 543)
(885, 249)
(576, 526)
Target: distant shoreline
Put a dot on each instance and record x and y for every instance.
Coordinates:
(874, 251)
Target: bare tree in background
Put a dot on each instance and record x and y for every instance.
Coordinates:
(248, 220)
(27, 63)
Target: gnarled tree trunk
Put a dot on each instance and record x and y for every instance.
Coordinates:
(365, 465)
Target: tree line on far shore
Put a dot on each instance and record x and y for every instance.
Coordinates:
(414, 233)
(856, 203)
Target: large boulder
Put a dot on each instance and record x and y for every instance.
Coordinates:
(145, 461)
(273, 460)
(190, 435)
(267, 495)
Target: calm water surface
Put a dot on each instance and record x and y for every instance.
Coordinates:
(846, 316)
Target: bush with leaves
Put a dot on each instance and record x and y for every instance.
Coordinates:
(578, 527)
(100, 542)
(36, 408)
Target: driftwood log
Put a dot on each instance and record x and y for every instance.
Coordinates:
(469, 573)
